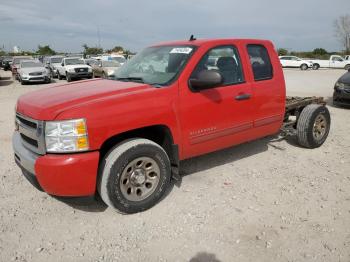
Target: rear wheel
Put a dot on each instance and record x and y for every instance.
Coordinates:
(304, 67)
(104, 75)
(313, 126)
(347, 67)
(315, 66)
(134, 175)
(59, 75)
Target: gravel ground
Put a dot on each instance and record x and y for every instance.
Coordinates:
(268, 200)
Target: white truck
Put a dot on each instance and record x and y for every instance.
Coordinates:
(335, 61)
(74, 68)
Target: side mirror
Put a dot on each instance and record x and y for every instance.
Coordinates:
(62, 64)
(206, 79)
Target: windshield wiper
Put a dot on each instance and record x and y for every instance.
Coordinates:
(132, 79)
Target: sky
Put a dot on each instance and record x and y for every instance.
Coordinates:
(296, 25)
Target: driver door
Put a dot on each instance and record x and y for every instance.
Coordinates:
(220, 116)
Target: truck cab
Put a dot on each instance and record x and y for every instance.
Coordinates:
(124, 138)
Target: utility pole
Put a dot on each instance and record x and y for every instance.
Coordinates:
(98, 36)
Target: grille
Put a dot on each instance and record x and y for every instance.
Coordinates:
(26, 122)
(35, 74)
(81, 70)
(29, 140)
(37, 78)
(32, 133)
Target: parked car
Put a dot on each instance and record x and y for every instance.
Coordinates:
(335, 61)
(33, 71)
(105, 69)
(74, 68)
(4, 60)
(91, 61)
(53, 63)
(296, 62)
(341, 94)
(124, 139)
(6, 64)
(16, 60)
(118, 58)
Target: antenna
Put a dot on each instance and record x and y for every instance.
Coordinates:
(99, 37)
(192, 38)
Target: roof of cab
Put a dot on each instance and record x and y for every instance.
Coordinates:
(199, 42)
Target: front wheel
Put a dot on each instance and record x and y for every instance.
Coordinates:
(68, 77)
(347, 67)
(313, 126)
(134, 175)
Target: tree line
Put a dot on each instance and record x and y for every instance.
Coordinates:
(47, 51)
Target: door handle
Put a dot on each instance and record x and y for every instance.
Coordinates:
(243, 97)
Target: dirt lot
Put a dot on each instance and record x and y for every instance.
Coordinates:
(267, 200)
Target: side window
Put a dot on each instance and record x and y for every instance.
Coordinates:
(225, 60)
(260, 60)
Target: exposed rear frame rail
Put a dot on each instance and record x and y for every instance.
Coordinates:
(294, 106)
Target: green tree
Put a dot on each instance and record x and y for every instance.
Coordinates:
(92, 50)
(45, 50)
(117, 49)
(319, 51)
(282, 51)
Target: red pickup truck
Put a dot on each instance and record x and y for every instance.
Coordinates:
(125, 138)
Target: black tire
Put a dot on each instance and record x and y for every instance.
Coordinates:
(59, 75)
(104, 76)
(114, 165)
(315, 66)
(303, 67)
(347, 67)
(68, 77)
(308, 134)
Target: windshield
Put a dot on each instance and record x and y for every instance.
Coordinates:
(119, 59)
(74, 61)
(56, 60)
(31, 64)
(110, 64)
(156, 65)
(17, 61)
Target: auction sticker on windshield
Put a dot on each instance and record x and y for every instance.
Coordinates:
(181, 50)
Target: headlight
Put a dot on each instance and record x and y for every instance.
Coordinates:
(110, 72)
(66, 136)
(339, 85)
(71, 70)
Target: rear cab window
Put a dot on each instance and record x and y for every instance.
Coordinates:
(260, 62)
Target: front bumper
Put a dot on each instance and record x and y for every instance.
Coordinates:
(80, 75)
(58, 174)
(341, 97)
(35, 79)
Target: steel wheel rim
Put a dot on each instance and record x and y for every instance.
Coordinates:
(320, 127)
(139, 179)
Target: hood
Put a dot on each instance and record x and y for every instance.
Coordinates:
(345, 78)
(56, 64)
(48, 103)
(32, 70)
(76, 66)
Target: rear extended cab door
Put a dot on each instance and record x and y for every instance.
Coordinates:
(268, 87)
(221, 116)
